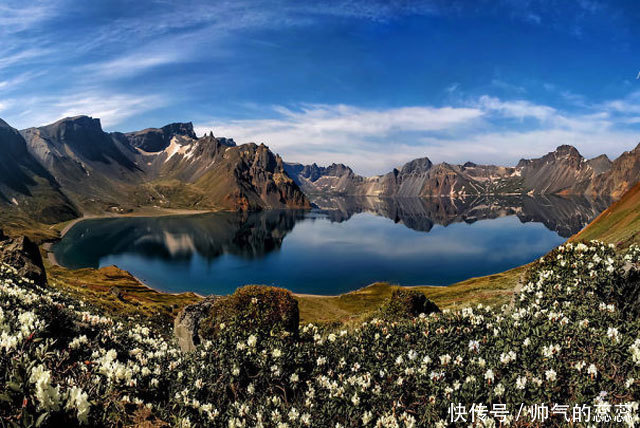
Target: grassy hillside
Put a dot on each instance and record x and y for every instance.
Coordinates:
(618, 224)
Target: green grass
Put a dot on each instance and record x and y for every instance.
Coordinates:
(14, 224)
(136, 299)
(351, 307)
(619, 224)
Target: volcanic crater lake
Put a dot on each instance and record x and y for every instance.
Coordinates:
(341, 245)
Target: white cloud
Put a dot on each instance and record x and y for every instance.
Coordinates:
(519, 109)
(313, 124)
(374, 141)
(361, 137)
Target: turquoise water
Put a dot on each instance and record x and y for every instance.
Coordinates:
(306, 252)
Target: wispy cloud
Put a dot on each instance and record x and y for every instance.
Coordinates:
(509, 87)
(17, 80)
(20, 16)
(111, 108)
(131, 64)
(519, 109)
(10, 58)
(120, 67)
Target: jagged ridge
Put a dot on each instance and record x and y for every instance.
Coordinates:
(563, 171)
(166, 167)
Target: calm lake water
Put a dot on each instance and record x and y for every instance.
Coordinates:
(341, 245)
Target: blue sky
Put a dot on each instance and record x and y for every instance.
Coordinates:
(369, 83)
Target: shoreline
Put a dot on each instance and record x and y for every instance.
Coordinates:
(368, 286)
(155, 212)
(162, 212)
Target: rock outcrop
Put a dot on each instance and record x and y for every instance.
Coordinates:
(186, 326)
(619, 178)
(259, 309)
(23, 254)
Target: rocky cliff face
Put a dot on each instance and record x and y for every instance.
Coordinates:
(622, 175)
(562, 171)
(335, 178)
(167, 167)
(418, 178)
(154, 140)
(250, 177)
(27, 187)
(556, 171)
(74, 163)
(24, 255)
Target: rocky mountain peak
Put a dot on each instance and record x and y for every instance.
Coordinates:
(4, 124)
(76, 124)
(564, 151)
(179, 128)
(83, 135)
(600, 164)
(155, 140)
(567, 149)
(417, 166)
(338, 169)
(228, 142)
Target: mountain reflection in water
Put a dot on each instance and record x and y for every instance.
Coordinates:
(332, 248)
(564, 215)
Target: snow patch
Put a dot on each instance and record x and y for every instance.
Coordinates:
(175, 147)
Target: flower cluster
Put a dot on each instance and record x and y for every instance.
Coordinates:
(568, 338)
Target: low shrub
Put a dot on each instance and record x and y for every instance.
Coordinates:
(259, 309)
(406, 303)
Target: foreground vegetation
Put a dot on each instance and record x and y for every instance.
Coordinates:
(571, 336)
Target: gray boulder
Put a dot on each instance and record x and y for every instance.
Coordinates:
(24, 255)
(187, 323)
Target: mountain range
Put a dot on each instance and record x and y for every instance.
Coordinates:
(58, 171)
(564, 171)
(72, 167)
